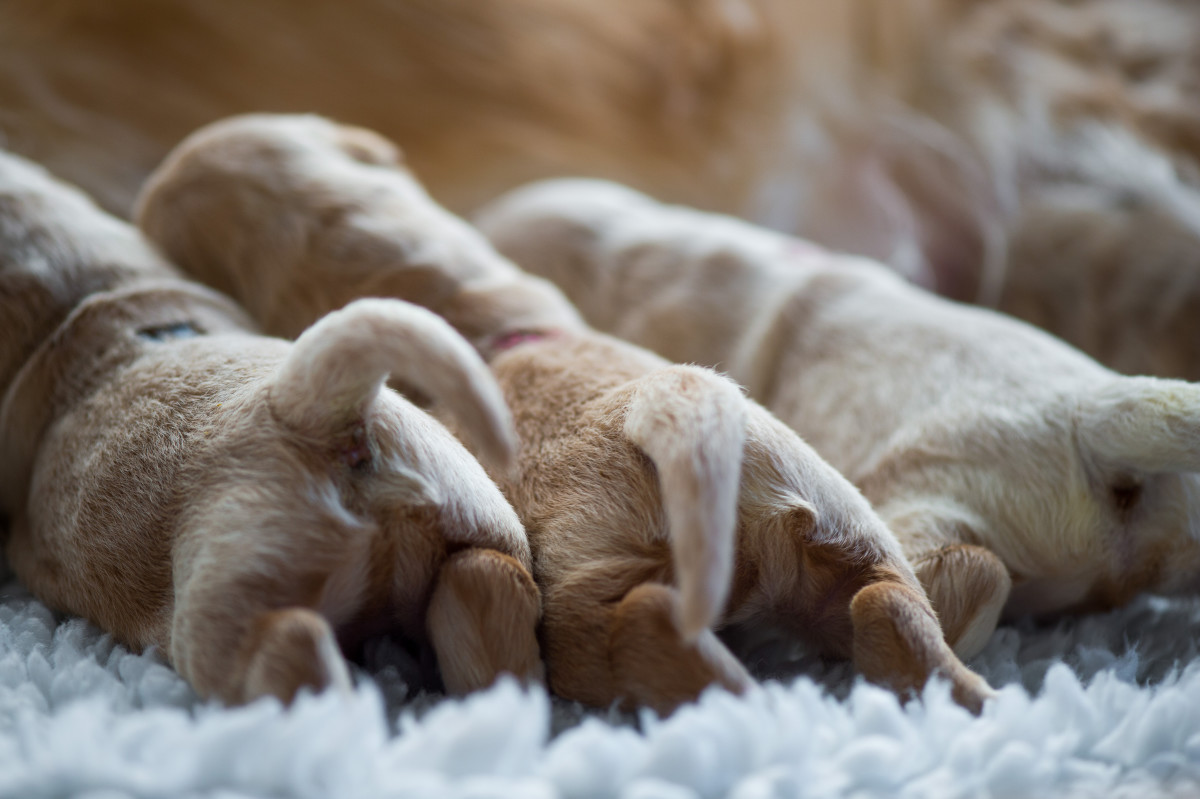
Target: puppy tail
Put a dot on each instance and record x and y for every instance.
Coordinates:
(338, 366)
(1143, 424)
(691, 422)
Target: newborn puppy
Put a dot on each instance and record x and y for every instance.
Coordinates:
(1019, 475)
(43, 276)
(660, 503)
(237, 501)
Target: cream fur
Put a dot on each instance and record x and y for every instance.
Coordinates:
(190, 485)
(975, 436)
(651, 492)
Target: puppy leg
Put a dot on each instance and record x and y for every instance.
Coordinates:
(482, 620)
(238, 653)
(292, 649)
(652, 664)
(239, 636)
(968, 586)
(898, 643)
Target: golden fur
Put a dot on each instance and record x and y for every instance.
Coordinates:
(234, 500)
(659, 502)
(1037, 155)
(1019, 474)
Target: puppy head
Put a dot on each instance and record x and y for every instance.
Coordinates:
(297, 215)
(104, 331)
(677, 280)
(1087, 496)
(391, 464)
(56, 247)
(339, 365)
(316, 487)
(552, 228)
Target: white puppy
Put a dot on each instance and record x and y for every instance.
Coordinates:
(1020, 475)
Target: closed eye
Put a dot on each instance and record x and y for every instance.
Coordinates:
(170, 332)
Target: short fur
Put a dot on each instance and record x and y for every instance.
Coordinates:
(1018, 474)
(660, 503)
(237, 501)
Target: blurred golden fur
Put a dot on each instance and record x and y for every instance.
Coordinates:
(660, 503)
(235, 500)
(976, 147)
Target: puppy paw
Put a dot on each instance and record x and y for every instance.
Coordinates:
(292, 649)
(898, 644)
(968, 586)
(482, 621)
(653, 666)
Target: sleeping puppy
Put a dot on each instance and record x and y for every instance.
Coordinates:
(1019, 475)
(242, 503)
(660, 503)
(43, 276)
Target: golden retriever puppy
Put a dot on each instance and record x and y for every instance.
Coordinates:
(660, 503)
(1019, 475)
(43, 276)
(242, 503)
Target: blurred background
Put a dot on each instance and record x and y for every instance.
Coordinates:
(1036, 156)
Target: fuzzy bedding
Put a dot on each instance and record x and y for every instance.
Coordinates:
(1104, 705)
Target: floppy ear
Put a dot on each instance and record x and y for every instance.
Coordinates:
(338, 366)
(1144, 424)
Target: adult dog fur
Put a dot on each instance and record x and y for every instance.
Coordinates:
(1038, 155)
(660, 503)
(237, 501)
(1019, 474)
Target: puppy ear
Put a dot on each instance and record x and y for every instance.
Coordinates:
(1143, 424)
(338, 366)
(692, 424)
(368, 147)
(406, 488)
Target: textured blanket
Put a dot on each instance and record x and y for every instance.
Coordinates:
(1099, 706)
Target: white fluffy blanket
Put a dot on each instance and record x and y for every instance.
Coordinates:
(1099, 706)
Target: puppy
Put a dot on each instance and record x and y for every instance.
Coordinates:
(242, 503)
(1019, 475)
(43, 276)
(660, 503)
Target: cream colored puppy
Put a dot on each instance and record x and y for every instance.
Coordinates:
(660, 503)
(1019, 475)
(242, 503)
